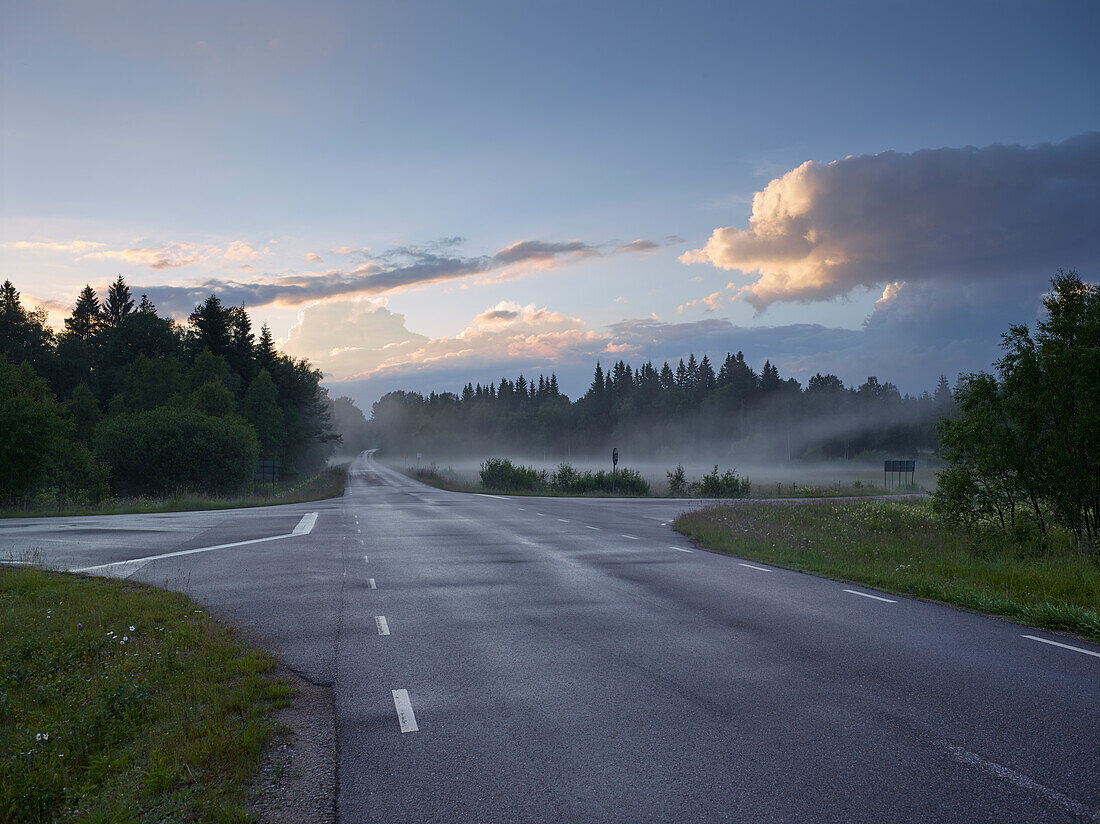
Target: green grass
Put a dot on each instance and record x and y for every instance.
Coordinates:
(327, 484)
(899, 546)
(120, 702)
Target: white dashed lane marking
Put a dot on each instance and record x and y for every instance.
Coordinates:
(758, 569)
(867, 595)
(383, 627)
(405, 716)
(1063, 646)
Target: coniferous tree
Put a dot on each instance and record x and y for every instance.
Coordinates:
(87, 318)
(118, 304)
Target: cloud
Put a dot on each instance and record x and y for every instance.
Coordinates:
(542, 254)
(396, 269)
(361, 339)
(639, 246)
(240, 252)
(160, 256)
(710, 302)
(312, 257)
(998, 214)
(78, 247)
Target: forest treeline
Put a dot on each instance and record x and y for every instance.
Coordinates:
(123, 400)
(663, 413)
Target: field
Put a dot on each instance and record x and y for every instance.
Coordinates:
(900, 547)
(121, 702)
(799, 480)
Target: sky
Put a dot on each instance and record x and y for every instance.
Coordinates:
(414, 195)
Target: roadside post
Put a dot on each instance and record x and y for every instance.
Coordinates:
(614, 463)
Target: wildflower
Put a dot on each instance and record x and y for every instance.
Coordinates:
(42, 736)
(131, 629)
(79, 625)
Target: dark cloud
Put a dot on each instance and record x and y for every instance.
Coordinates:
(528, 251)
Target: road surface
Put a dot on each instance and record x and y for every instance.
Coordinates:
(510, 659)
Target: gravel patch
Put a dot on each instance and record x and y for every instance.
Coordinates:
(297, 782)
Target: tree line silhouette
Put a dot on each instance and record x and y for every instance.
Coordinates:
(125, 399)
(666, 413)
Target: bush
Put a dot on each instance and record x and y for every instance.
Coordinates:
(569, 481)
(677, 483)
(566, 479)
(504, 476)
(727, 485)
(165, 450)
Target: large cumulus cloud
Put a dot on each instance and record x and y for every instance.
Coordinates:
(998, 214)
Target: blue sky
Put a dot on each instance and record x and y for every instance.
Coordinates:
(369, 163)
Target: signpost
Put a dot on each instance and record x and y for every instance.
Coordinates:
(614, 463)
(905, 471)
(267, 471)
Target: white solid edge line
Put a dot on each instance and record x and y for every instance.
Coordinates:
(383, 627)
(681, 549)
(371, 584)
(181, 552)
(487, 495)
(631, 537)
(866, 595)
(305, 526)
(1063, 646)
(750, 566)
(405, 716)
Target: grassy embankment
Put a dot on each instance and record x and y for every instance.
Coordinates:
(327, 484)
(120, 702)
(900, 547)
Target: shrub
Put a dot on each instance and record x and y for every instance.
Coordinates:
(727, 485)
(677, 483)
(165, 450)
(504, 476)
(565, 479)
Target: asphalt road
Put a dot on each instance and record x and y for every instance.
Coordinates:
(562, 660)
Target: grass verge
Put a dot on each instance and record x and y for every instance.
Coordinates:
(326, 484)
(120, 702)
(899, 546)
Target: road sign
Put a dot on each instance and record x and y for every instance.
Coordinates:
(266, 471)
(614, 457)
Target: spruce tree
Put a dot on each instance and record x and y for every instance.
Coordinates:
(87, 319)
(118, 305)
